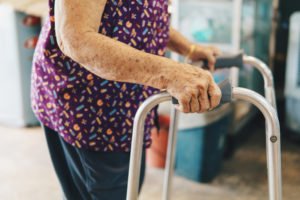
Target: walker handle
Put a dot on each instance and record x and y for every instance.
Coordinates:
(226, 90)
(227, 61)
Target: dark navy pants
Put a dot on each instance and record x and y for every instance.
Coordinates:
(89, 175)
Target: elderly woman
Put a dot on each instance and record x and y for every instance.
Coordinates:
(95, 63)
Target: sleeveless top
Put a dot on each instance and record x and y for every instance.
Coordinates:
(86, 110)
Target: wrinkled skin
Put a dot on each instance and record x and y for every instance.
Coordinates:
(77, 23)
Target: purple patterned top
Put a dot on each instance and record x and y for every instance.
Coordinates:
(88, 111)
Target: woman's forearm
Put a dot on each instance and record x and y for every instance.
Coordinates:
(178, 43)
(78, 38)
(116, 61)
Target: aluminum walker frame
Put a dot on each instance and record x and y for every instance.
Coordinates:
(229, 93)
(229, 61)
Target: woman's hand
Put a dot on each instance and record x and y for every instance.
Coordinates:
(208, 53)
(195, 52)
(194, 88)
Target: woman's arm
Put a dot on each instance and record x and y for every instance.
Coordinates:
(179, 44)
(77, 23)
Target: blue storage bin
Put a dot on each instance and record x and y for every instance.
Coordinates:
(200, 147)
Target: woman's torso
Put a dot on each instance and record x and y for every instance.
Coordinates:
(88, 111)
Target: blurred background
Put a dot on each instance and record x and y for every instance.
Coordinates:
(228, 157)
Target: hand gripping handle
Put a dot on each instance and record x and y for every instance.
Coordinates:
(226, 90)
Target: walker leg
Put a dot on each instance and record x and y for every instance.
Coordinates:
(274, 166)
(272, 139)
(137, 143)
(170, 155)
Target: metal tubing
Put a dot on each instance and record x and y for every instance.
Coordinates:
(137, 142)
(172, 137)
(269, 94)
(272, 136)
(267, 76)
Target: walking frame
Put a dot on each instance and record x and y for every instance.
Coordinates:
(266, 105)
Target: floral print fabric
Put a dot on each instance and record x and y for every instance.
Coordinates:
(88, 111)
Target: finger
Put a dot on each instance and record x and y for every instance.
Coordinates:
(204, 102)
(194, 104)
(211, 60)
(204, 99)
(216, 51)
(184, 104)
(215, 95)
(208, 55)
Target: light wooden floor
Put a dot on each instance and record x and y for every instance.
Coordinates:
(26, 172)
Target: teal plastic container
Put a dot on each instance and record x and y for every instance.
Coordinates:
(199, 151)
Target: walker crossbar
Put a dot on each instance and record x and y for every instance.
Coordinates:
(272, 135)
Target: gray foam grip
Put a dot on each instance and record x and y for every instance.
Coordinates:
(226, 89)
(228, 61)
